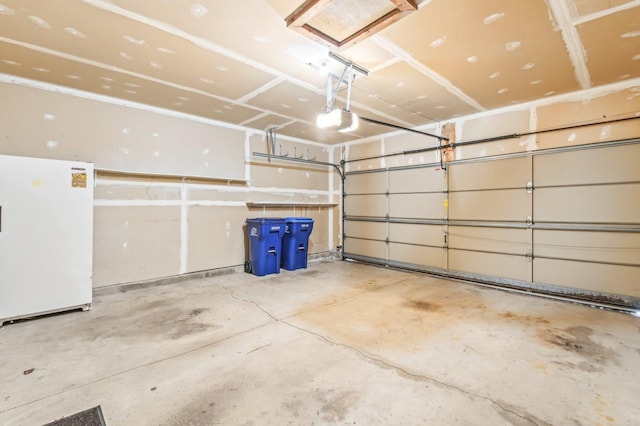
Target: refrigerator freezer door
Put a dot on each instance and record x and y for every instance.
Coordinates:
(46, 236)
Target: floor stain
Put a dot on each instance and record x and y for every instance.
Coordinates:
(201, 411)
(295, 407)
(542, 366)
(156, 304)
(336, 405)
(196, 312)
(188, 324)
(578, 340)
(152, 320)
(423, 306)
(401, 315)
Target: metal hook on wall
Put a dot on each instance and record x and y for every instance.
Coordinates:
(271, 139)
(308, 158)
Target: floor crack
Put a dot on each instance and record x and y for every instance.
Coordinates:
(242, 299)
(376, 360)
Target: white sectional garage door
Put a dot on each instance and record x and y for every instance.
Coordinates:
(562, 221)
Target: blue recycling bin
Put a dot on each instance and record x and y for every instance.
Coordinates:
(295, 243)
(265, 245)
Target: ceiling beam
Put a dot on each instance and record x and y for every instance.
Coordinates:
(307, 11)
(601, 14)
(562, 15)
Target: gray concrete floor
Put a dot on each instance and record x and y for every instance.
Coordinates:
(337, 343)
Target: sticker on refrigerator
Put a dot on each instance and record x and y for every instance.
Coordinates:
(78, 177)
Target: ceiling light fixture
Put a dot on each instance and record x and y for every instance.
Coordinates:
(338, 119)
(342, 120)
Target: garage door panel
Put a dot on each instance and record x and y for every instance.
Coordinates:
(499, 205)
(418, 255)
(503, 240)
(588, 166)
(432, 235)
(416, 180)
(614, 247)
(590, 204)
(597, 186)
(366, 183)
(588, 276)
(376, 249)
(494, 174)
(372, 230)
(498, 265)
(421, 206)
(366, 205)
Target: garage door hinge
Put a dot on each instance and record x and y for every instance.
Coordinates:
(529, 221)
(446, 239)
(529, 187)
(529, 255)
(386, 241)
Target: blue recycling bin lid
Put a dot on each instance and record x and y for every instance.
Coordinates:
(265, 225)
(295, 224)
(266, 219)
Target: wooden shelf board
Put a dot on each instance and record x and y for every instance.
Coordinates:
(288, 203)
(113, 172)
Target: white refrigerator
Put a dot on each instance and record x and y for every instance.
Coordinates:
(46, 236)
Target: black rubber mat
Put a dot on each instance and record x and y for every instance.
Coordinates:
(91, 417)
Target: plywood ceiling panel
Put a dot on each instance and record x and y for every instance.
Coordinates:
(266, 122)
(217, 110)
(496, 51)
(93, 79)
(123, 43)
(368, 55)
(292, 101)
(249, 29)
(612, 44)
(411, 96)
(236, 61)
(285, 8)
